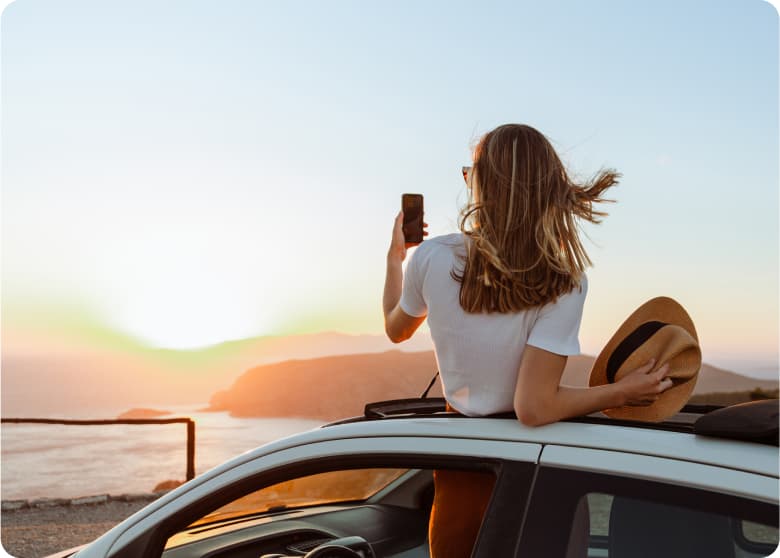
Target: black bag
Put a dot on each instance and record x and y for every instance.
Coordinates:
(756, 421)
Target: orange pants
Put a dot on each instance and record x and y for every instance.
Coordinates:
(459, 504)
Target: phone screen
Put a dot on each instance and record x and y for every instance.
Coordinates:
(412, 206)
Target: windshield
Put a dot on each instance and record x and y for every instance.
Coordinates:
(322, 488)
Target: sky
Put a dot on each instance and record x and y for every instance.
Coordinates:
(190, 172)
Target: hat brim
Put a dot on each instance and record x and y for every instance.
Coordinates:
(663, 309)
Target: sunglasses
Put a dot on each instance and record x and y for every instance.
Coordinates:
(466, 173)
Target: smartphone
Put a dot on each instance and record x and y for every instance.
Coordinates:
(412, 206)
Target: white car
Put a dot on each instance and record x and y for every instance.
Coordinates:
(592, 486)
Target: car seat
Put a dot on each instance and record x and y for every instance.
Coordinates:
(579, 535)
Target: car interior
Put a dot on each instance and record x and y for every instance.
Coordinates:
(393, 522)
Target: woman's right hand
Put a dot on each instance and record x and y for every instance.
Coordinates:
(398, 244)
(642, 387)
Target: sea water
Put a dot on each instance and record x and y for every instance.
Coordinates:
(64, 461)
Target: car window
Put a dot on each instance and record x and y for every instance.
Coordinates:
(301, 511)
(619, 526)
(323, 488)
(615, 516)
(331, 487)
(396, 517)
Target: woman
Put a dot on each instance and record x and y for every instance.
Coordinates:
(504, 300)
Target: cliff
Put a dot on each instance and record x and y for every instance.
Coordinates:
(336, 387)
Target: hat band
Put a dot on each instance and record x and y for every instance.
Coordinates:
(630, 344)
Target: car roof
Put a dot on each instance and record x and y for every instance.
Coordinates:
(734, 454)
(714, 435)
(673, 439)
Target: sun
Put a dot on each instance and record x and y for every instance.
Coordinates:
(190, 315)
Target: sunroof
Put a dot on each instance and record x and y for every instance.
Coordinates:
(755, 421)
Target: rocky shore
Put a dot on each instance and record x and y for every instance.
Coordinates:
(37, 528)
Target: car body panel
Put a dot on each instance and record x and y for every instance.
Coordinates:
(763, 459)
(683, 473)
(67, 553)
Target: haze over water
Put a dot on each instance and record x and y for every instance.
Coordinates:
(58, 461)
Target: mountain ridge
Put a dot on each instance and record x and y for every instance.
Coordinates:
(329, 388)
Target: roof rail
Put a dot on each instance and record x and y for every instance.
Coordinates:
(431, 405)
(428, 406)
(755, 421)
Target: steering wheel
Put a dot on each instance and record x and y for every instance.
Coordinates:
(332, 551)
(346, 547)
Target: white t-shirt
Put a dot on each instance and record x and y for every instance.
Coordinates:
(479, 354)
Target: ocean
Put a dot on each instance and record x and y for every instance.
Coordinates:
(60, 461)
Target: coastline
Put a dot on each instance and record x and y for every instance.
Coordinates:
(42, 503)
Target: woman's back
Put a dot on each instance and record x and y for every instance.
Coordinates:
(479, 354)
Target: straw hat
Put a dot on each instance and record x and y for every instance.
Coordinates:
(659, 329)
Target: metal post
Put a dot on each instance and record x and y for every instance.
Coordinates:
(190, 450)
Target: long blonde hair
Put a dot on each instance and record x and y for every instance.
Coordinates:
(524, 247)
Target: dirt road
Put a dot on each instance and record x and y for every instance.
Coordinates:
(36, 532)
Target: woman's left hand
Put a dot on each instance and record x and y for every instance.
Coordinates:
(398, 244)
(642, 387)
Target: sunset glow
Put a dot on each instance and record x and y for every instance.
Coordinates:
(189, 193)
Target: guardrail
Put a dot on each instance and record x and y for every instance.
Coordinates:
(190, 474)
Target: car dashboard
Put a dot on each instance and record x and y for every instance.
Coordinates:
(392, 531)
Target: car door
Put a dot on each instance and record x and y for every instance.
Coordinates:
(596, 503)
(512, 463)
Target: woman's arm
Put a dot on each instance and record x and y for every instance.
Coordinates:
(540, 399)
(399, 325)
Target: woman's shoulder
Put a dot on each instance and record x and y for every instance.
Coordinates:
(452, 239)
(439, 246)
(575, 296)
